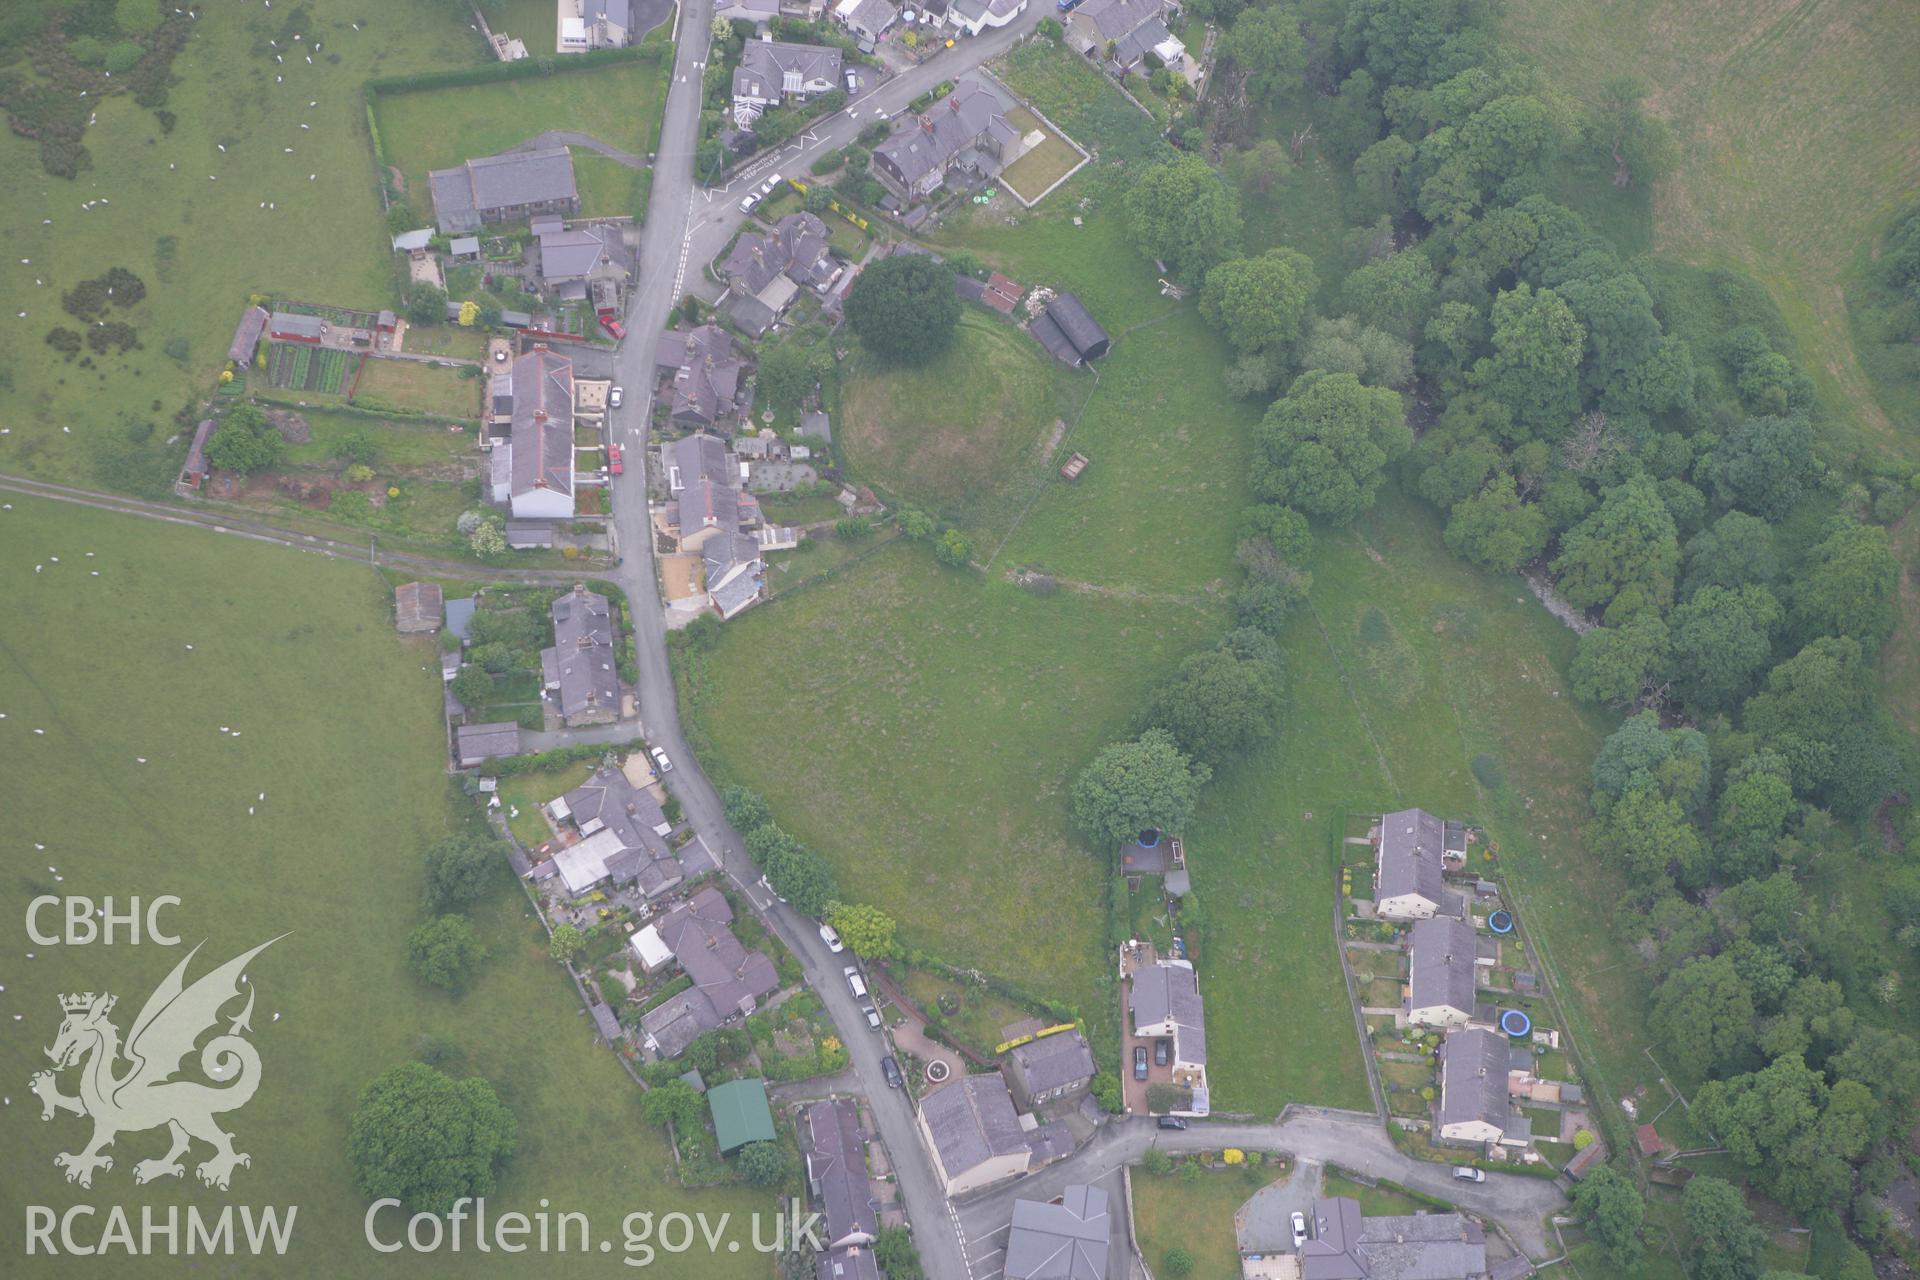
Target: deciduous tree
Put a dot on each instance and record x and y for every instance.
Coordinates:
(1260, 303)
(1132, 786)
(1323, 446)
(426, 1140)
(444, 952)
(1725, 1243)
(1180, 212)
(1609, 1205)
(904, 308)
(1629, 543)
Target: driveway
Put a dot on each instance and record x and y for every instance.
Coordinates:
(1264, 1224)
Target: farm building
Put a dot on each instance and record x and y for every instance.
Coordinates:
(246, 335)
(196, 469)
(288, 326)
(1069, 332)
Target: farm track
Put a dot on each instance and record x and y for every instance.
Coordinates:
(228, 522)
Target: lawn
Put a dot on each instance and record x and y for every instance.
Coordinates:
(1170, 1212)
(439, 128)
(420, 387)
(953, 434)
(338, 724)
(930, 725)
(608, 188)
(1049, 161)
(1375, 1202)
(202, 246)
(1787, 163)
(400, 443)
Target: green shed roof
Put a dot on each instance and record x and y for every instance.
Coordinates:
(740, 1113)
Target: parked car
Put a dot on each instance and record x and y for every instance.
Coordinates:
(832, 939)
(1172, 1122)
(614, 463)
(872, 1016)
(1467, 1173)
(1299, 1229)
(1139, 1062)
(853, 82)
(1159, 1053)
(660, 760)
(767, 188)
(891, 1070)
(615, 396)
(856, 983)
(752, 199)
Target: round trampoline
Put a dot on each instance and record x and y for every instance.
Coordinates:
(1149, 838)
(1515, 1023)
(1501, 921)
(937, 1071)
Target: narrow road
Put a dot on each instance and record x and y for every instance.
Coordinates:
(685, 228)
(1347, 1139)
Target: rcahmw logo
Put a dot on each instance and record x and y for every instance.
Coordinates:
(130, 1085)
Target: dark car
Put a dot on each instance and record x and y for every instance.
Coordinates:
(1159, 1053)
(891, 1070)
(1139, 1062)
(1172, 1122)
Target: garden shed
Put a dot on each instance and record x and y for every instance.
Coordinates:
(740, 1113)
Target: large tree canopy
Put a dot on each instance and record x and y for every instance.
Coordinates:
(904, 308)
(1180, 212)
(1324, 444)
(1763, 465)
(1260, 303)
(1267, 45)
(459, 869)
(244, 441)
(1534, 368)
(1722, 639)
(1629, 544)
(1846, 587)
(427, 1140)
(1132, 786)
(1224, 703)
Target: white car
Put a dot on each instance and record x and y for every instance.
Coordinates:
(660, 759)
(872, 1016)
(832, 939)
(767, 187)
(746, 205)
(1467, 1173)
(1299, 1230)
(615, 396)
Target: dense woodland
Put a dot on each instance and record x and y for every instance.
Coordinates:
(1642, 439)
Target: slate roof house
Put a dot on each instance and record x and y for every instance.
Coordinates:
(1164, 1000)
(774, 71)
(582, 667)
(1445, 966)
(836, 1158)
(669, 1027)
(1055, 1066)
(967, 131)
(594, 24)
(1426, 1246)
(773, 268)
(1065, 1239)
(625, 828)
(475, 744)
(975, 16)
(532, 473)
(974, 1135)
(503, 188)
(728, 976)
(1118, 34)
(710, 514)
(866, 18)
(1474, 1102)
(707, 372)
(572, 259)
(1069, 332)
(1410, 880)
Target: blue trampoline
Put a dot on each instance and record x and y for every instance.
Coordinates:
(1501, 921)
(1149, 838)
(1516, 1024)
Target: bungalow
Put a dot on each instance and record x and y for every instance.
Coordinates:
(1055, 1066)
(1423, 1246)
(708, 372)
(532, 473)
(1120, 34)
(504, 188)
(708, 513)
(967, 132)
(246, 336)
(572, 259)
(1474, 1102)
(973, 1133)
(1069, 332)
(867, 19)
(580, 669)
(417, 606)
(772, 269)
(1410, 880)
(1062, 1239)
(836, 1160)
(475, 744)
(1445, 972)
(975, 16)
(773, 72)
(1164, 1001)
(593, 24)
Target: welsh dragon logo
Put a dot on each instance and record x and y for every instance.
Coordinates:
(145, 1095)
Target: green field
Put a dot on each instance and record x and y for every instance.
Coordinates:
(608, 189)
(202, 246)
(1170, 1212)
(955, 433)
(420, 387)
(339, 724)
(431, 129)
(1792, 151)
(930, 725)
